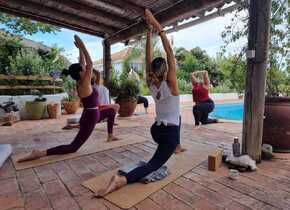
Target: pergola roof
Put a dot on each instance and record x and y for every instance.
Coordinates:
(114, 20)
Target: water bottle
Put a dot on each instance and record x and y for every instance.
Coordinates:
(236, 147)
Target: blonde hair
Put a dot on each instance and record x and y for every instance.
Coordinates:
(158, 70)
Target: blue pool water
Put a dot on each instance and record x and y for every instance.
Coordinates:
(228, 111)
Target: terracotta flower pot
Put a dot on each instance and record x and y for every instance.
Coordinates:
(71, 107)
(35, 109)
(277, 123)
(53, 110)
(127, 106)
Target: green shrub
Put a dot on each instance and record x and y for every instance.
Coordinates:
(9, 46)
(123, 88)
(128, 88)
(68, 84)
(52, 60)
(184, 86)
(222, 88)
(26, 62)
(144, 89)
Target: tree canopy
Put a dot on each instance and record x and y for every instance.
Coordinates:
(278, 76)
(24, 26)
(196, 59)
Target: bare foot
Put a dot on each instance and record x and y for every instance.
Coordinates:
(196, 126)
(112, 138)
(179, 149)
(35, 154)
(116, 182)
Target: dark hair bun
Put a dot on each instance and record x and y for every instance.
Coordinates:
(74, 71)
(65, 72)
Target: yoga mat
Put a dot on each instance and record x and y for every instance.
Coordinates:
(131, 195)
(5, 152)
(90, 147)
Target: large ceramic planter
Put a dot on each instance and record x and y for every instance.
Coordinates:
(277, 123)
(127, 106)
(35, 109)
(71, 107)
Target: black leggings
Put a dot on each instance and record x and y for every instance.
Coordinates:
(201, 111)
(167, 138)
(143, 100)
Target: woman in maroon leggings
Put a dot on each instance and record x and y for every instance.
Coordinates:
(82, 73)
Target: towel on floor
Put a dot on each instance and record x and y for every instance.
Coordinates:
(159, 174)
(244, 161)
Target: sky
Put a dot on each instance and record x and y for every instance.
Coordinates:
(207, 36)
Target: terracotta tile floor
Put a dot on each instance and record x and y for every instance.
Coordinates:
(57, 186)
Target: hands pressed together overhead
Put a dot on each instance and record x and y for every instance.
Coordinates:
(78, 42)
(151, 21)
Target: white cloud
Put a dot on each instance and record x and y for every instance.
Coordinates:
(206, 35)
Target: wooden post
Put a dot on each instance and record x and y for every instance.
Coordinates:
(106, 60)
(258, 41)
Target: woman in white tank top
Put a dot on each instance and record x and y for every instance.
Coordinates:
(162, 81)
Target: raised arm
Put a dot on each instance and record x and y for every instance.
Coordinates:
(82, 58)
(193, 78)
(148, 55)
(85, 57)
(206, 80)
(171, 75)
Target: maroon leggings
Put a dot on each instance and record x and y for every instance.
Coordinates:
(88, 121)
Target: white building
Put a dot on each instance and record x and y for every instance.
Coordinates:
(118, 59)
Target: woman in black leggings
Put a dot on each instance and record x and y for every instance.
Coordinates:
(165, 131)
(203, 103)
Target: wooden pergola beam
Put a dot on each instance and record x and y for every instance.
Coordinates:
(35, 10)
(204, 18)
(118, 7)
(53, 22)
(258, 41)
(184, 9)
(106, 60)
(85, 12)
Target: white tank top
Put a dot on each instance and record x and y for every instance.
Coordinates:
(166, 105)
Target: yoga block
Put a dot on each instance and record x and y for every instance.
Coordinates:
(214, 161)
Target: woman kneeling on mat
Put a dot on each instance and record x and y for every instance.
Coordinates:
(203, 103)
(91, 115)
(162, 81)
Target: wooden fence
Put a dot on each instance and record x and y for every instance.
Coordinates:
(12, 83)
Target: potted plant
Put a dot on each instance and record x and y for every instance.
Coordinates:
(71, 103)
(35, 109)
(125, 92)
(277, 111)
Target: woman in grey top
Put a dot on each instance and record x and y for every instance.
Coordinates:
(165, 131)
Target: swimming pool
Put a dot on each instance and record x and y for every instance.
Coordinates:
(233, 111)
